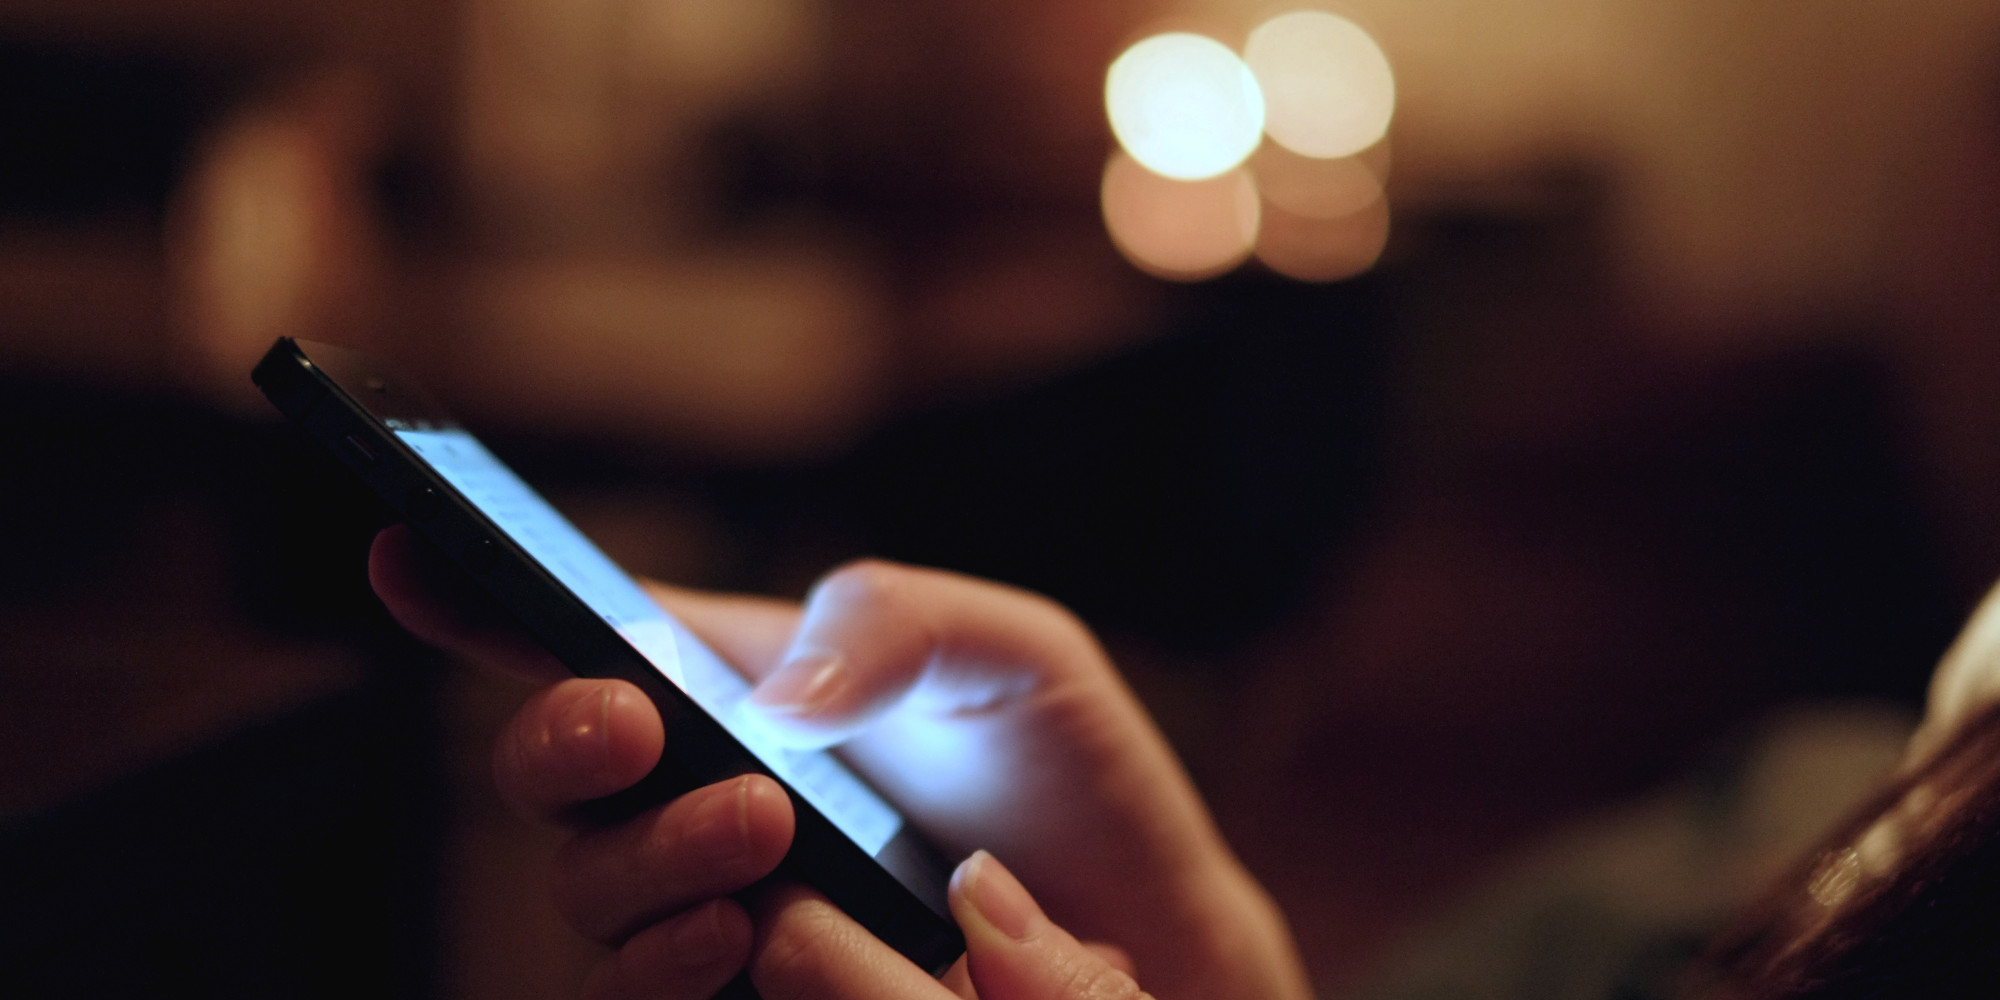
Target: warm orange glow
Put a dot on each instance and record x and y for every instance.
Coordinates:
(1313, 188)
(258, 208)
(1327, 86)
(1180, 230)
(1323, 249)
(1184, 105)
(718, 50)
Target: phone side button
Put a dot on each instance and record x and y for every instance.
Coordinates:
(423, 503)
(480, 555)
(360, 448)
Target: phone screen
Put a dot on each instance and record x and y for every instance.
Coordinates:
(683, 660)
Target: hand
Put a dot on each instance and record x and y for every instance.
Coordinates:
(808, 948)
(1031, 747)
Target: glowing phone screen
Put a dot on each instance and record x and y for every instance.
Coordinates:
(679, 657)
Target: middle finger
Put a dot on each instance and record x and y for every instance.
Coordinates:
(711, 842)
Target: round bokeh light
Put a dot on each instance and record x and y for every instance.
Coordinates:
(1327, 86)
(1184, 106)
(1309, 249)
(1180, 230)
(1315, 188)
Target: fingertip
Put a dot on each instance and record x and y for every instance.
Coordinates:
(863, 641)
(806, 684)
(740, 828)
(392, 572)
(438, 604)
(637, 734)
(986, 898)
(768, 820)
(1013, 949)
(609, 881)
(420, 587)
(577, 741)
(797, 727)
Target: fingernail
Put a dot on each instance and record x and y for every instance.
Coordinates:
(696, 941)
(585, 726)
(997, 896)
(720, 829)
(804, 686)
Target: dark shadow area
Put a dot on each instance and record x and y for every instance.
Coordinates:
(223, 776)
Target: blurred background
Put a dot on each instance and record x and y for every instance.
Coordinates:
(1444, 489)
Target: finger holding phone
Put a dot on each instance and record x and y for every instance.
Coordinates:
(972, 716)
(990, 715)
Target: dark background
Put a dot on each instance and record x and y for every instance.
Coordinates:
(1446, 553)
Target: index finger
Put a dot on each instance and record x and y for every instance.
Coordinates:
(435, 600)
(874, 634)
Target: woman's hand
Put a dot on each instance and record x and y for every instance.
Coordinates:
(989, 714)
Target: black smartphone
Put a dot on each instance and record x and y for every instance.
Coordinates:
(851, 843)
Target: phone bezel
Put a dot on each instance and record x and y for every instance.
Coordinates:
(899, 894)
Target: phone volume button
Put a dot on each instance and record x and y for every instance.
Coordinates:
(480, 555)
(361, 448)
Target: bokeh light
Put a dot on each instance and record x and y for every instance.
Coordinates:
(1184, 105)
(1315, 188)
(1180, 230)
(1327, 87)
(1310, 249)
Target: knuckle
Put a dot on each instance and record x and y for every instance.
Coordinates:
(884, 599)
(868, 582)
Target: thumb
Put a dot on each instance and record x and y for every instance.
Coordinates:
(1015, 952)
(875, 635)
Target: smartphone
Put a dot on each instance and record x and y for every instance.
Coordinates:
(851, 843)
